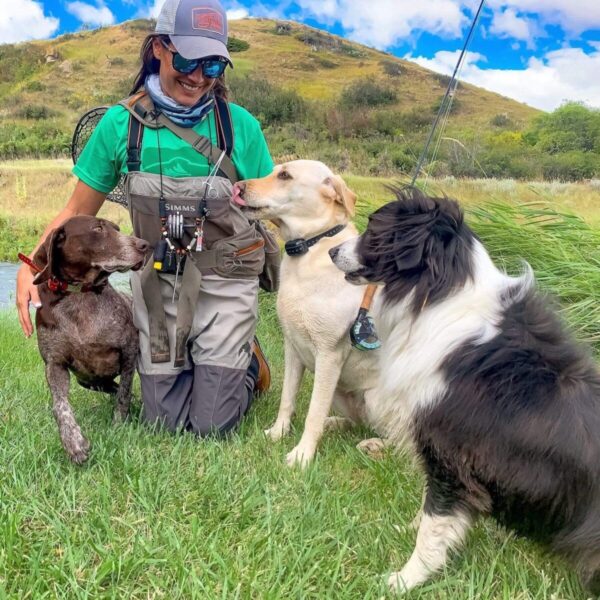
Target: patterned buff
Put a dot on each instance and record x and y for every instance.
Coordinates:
(185, 116)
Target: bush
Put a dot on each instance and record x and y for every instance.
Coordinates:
(501, 120)
(43, 139)
(237, 45)
(450, 103)
(35, 86)
(366, 93)
(33, 111)
(442, 79)
(268, 103)
(392, 68)
(571, 166)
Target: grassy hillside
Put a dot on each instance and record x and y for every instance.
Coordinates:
(317, 95)
(95, 67)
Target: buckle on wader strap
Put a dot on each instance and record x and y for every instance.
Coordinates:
(188, 298)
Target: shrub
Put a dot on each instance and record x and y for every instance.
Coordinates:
(41, 139)
(367, 93)
(450, 103)
(442, 79)
(501, 120)
(392, 68)
(33, 111)
(268, 103)
(321, 61)
(35, 86)
(571, 166)
(237, 45)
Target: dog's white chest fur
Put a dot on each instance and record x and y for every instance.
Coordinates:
(415, 348)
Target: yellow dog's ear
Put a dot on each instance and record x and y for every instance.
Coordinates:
(343, 194)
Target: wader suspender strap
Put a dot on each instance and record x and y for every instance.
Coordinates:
(224, 127)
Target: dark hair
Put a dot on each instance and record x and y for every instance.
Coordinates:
(151, 65)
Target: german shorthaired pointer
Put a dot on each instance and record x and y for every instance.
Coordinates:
(84, 325)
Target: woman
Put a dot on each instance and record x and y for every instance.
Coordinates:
(195, 302)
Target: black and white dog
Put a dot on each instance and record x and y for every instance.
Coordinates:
(481, 379)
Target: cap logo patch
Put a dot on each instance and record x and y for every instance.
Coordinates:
(208, 19)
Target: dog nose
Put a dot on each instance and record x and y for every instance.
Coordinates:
(141, 245)
(333, 252)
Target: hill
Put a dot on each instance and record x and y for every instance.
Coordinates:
(317, 95)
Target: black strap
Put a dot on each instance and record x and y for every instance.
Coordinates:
(224, 125)
(134, 144)
(300, 246)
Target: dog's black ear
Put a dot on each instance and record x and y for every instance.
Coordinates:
(46, 255)
(410, 242)
(409, 256)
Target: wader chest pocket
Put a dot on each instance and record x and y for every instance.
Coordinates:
(240, 256)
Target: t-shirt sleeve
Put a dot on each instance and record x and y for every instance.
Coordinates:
(98, 164)
(255, 160)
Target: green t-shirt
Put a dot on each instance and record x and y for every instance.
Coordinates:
(104, 157)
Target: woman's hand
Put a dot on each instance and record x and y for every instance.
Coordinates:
(26, 293)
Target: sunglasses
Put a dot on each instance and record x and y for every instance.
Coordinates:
(211, 67)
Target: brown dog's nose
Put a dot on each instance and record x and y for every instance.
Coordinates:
(141, 245)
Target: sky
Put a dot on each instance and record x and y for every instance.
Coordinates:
(540, 52)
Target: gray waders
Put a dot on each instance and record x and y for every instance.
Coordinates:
(196, 325)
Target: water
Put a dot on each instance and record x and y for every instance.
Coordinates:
(8, 277)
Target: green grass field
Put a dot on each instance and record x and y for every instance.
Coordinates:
(154, 515)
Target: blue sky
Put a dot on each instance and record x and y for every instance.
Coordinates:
(541, 52)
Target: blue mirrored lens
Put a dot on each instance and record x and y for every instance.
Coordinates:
(185, 65)
(213, 68)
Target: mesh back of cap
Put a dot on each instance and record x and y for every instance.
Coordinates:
(166, 19)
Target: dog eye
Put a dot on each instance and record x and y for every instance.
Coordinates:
(283, 175)
(98, 228)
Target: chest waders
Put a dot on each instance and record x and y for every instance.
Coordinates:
(190, 224)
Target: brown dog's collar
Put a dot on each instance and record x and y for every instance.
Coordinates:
(57, 285)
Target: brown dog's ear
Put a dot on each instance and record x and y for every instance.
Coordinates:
(46, 254)
(344, 195)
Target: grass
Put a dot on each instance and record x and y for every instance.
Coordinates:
(153, 515)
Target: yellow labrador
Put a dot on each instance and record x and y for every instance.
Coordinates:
(316, 306)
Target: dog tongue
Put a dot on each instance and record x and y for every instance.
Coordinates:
(236, 198)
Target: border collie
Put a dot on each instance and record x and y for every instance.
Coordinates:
(481, 379)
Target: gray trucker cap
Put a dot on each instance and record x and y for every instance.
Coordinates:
(197, 28)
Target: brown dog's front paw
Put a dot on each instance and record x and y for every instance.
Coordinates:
(76, 446)
(120, 415)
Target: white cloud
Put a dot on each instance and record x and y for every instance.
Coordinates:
(237, 13)
(89, 14)
(383, 23)
(574, 16)
(547, 82)
(25, 20)
(507, 24)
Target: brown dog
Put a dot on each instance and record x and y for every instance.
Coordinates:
(84, 325)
